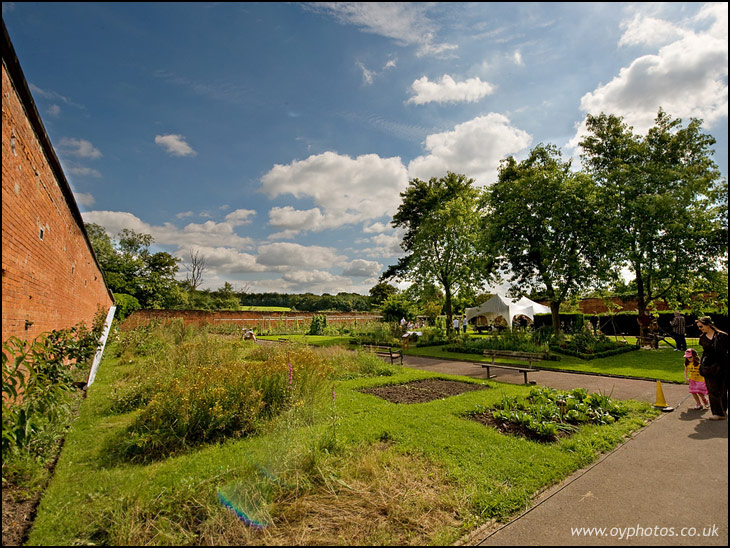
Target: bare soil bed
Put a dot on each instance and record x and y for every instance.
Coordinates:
(423, 391)
(18, 513)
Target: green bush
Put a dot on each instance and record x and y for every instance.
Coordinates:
(515, 340)
(588, 346)
(37, 382)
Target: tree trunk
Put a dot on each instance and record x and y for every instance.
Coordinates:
(447, 307)
(555, 312)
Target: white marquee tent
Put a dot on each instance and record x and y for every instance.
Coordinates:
(507, 308)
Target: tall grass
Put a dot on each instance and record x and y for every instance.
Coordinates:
(192, 389)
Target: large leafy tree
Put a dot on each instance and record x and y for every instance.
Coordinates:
(130, 268)
(543, 227)
(419, 200)
(443, 221)
(662, 201)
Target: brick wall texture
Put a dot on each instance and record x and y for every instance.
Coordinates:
(50, 279)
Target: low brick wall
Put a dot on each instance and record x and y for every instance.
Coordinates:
(252, 319)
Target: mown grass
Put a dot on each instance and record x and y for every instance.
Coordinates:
(358, 470)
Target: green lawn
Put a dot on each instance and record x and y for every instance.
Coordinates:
(314, 340)
(95, 499)
(664, 364)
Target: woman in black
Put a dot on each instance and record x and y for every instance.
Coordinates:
(714, 365)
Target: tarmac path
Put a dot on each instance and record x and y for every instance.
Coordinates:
(667, 485)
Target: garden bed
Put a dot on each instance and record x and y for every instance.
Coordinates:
(423, 391)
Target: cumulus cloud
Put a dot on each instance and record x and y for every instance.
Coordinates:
(447, 90)
(208, 234)
(361, 268)
(175, 145)
(345, 190)
(81, 148)
(687, 77)
(473, 148)
(240, 217)
(224, 260)
(643, 29)
(285, 254)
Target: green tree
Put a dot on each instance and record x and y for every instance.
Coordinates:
(542, 224)
(446, 250)
(380, 292)
(130, 268)
(662, 199)
(419, 200)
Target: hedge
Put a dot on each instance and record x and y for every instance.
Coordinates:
(625, 322)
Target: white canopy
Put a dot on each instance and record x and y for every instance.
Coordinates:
(507, 308)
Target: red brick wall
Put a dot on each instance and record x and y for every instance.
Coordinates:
(48, 283)
(260, 320)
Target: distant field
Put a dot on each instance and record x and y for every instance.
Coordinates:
(266, 308)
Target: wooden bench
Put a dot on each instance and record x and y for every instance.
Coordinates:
(386, 351)
(528, 357)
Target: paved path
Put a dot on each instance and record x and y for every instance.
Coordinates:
(667, 485)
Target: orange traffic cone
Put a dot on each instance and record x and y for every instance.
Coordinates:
(661, 403)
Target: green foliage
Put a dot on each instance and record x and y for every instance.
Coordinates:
(318, 324)
(37, 380)
(514, 340)
(586, 345)
(545, 412)
(129, 267)
(126, 304)
(190, 389)
(395, 307)
(662, 201)
(545, 226)
(442, 219)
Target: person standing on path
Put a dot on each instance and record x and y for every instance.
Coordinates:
(714, 366)
(678, 331)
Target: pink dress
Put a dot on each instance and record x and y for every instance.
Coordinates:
(696, 381)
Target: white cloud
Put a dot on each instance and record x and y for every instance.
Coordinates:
(223, 260)
(83, 171)
(208, 234)
(80, 148)
(361, 268)
(345, 190)
(284, 254)
(175, 145)
(293, 220)
(84, 199)
(517, 57)
(473, 148)
(240, 217)
(648, 30)
(687, 78)
(447, 90)
(405, 22)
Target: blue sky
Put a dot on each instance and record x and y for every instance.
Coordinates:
(275, 138)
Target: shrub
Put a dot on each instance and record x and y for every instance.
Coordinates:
(37, 380)
(517, 341)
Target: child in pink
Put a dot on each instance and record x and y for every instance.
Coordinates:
(696, 381)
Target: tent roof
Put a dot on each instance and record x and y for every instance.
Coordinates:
(500, 305)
